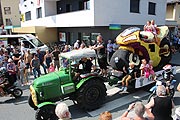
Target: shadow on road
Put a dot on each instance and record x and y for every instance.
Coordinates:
(176, 100)
(16, 101)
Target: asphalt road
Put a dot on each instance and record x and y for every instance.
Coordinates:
(116, 103)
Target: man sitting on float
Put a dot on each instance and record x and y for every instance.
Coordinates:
(86, 67)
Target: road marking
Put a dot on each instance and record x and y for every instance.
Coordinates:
(113, 91)
(177, 71)
(121, 101)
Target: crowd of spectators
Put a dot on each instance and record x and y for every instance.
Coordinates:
(159, 108)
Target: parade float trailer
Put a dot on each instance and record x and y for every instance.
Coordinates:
(89, 91)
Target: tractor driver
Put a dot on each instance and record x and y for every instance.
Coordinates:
(86, 64)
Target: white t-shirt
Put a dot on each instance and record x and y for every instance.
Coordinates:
(21, 64)
(23, 50)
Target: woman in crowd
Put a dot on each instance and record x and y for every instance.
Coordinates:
(47, 59)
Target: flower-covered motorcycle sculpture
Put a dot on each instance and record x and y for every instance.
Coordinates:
(136, 45)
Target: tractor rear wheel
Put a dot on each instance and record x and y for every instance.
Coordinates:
(92, 94)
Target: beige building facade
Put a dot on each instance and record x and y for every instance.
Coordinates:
(173, 17)
(10, 13)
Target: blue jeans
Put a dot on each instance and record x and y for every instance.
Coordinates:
(36, 71)
(44, 67)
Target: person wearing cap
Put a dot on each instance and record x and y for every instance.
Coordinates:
(130, 73)
(11, 68)
(161, 106)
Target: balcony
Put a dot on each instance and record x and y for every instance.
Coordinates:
(72, 19)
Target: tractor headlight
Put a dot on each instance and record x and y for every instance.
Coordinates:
(33, 94)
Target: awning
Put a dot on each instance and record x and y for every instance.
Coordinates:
(46, 35)
(171, 23)
(10, 27)
(31, 29)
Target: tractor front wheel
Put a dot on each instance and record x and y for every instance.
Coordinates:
(46, 112)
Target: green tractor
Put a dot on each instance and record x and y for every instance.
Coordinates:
(88, 92)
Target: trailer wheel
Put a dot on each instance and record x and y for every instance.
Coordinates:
(91, 95)
(165, 58)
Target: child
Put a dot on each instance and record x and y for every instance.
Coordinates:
(51, 68)
(150, 70)
(131, 73)
(143, 67)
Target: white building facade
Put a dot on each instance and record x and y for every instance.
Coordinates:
(84, 19)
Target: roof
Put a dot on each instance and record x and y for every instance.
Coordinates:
(78, 54)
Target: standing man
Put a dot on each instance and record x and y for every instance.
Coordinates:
(35, 64)
(109, 50)
(161, 106)
(55, 54)
(40, 55)
(100, 50)
(115, 46)
(27, 59)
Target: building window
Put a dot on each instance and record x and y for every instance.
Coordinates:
(152, 8)
(81, 5)
(39, 12)
(8, 22)
(7, 10)
(84, 5)
(87, 5)
(28, 15)
(68, 7)
(134, 6)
